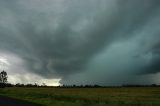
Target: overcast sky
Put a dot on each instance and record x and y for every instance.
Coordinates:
(106, 42)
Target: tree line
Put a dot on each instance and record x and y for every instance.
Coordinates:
(4, 83)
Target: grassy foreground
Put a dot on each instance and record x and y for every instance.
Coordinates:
(140, 96)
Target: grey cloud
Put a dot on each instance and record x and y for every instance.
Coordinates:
(59, 38)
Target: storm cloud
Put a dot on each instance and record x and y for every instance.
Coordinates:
(87, 41)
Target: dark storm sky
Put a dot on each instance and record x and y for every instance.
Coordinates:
(82, 41)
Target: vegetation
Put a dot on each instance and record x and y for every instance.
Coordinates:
(3, 79)
(117, 96)
(82, 95)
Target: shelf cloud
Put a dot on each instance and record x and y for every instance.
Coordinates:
(82, 42)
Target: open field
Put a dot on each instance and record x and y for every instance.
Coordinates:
(123, 96)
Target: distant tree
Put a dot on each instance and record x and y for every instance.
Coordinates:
(19, 85)
(3, 77)
(43, 85)
(96, 86)
(154, 85)
(74, 86)
(35, 85)
(29, 85)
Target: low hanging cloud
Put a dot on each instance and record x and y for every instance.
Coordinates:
(82, 41)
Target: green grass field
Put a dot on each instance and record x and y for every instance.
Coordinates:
(140, 96)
